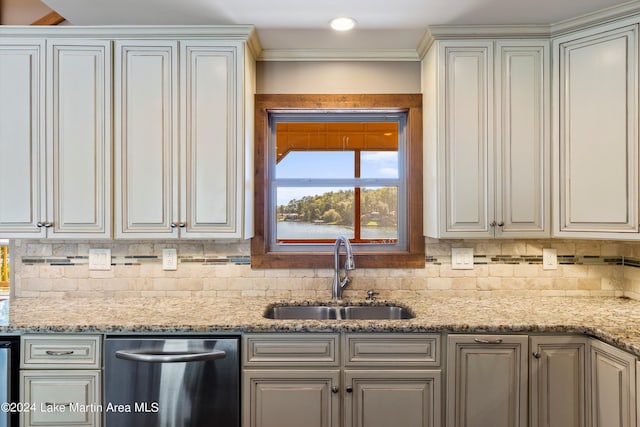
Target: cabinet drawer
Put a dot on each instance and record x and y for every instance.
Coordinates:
(62, 352)
(61, 398)
(392, 349)
(291, 350)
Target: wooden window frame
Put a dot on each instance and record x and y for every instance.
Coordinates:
(414, 255)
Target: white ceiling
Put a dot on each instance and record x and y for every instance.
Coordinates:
(303, 24)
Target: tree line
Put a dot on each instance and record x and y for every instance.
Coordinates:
(378, 207)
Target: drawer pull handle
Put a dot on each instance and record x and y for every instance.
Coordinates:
(59, 352)
(483, 341)
(53, 404)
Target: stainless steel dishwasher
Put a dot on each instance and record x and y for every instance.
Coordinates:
(171, 382)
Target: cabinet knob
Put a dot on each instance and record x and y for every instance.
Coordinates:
(492, 224)
(500, 224)
(335, 389)
(39, 224)
(349, 389)
(536, 354)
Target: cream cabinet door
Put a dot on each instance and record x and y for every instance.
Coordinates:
(146, 139)
(466, 87)
(613, 400)
(79, 138)
(487, 381)
(22, 133)
(487, 139)
(522, 138)
(61, 398)
(382, 398)
(596, 142)
(291, 398)
(559, 381)
(212, 175)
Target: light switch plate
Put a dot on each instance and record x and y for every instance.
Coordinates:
(99, 259)
(462, 258)
(549, 259)
(169, 259)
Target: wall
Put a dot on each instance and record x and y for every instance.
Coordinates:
(60, 268)
(21, 12)
(338, 77)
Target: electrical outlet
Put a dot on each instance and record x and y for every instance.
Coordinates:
(462, 258)
(169, 259)
(99, 259)
(549, 259)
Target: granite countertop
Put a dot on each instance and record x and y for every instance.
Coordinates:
(613, 320)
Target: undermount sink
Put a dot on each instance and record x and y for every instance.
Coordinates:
(350, 312)
(375, 312)
(308, 312)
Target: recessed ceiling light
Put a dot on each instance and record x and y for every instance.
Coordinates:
(342, 24)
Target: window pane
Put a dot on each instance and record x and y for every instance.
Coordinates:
(316, 164)
(379, 213)
(379, 164)
(306, 213)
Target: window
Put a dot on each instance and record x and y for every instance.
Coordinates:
(330, 165)
(336, 174)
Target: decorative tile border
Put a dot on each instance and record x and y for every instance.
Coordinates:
(71, 261)
(537, 259)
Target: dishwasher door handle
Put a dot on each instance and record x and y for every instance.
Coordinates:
(151, 356)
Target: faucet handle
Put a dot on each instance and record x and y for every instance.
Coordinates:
(371, 295)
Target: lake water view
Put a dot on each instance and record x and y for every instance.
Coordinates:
(308, 230)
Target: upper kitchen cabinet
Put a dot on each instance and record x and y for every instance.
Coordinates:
(486, 166)
(56, 142)
(22, 137)
(182, 139)
(595, 144)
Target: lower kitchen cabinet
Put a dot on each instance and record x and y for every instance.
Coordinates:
(613, 388)
(292, 398)
(60, 378)
(558, 381)
(383, 398)
(293, 380)
(61, 398)
(487, 381)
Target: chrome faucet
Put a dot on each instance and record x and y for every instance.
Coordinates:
(349, 264)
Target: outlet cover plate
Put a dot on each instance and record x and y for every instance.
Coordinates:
(169, 259)
(549, 259)
(462, 258)
(99, 259)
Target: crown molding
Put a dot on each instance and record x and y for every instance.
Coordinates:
(339, 55)
(449, 32)
(219, 32)
(253, 44)
(460, 32)
(599, 17)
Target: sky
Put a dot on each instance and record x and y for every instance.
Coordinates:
(331, 164)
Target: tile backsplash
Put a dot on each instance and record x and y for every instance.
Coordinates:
(209, 268)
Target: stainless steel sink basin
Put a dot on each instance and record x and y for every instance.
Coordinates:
(351, 312)
(375, 312)
(308, 312)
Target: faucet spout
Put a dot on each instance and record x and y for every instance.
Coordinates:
(340, 283)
